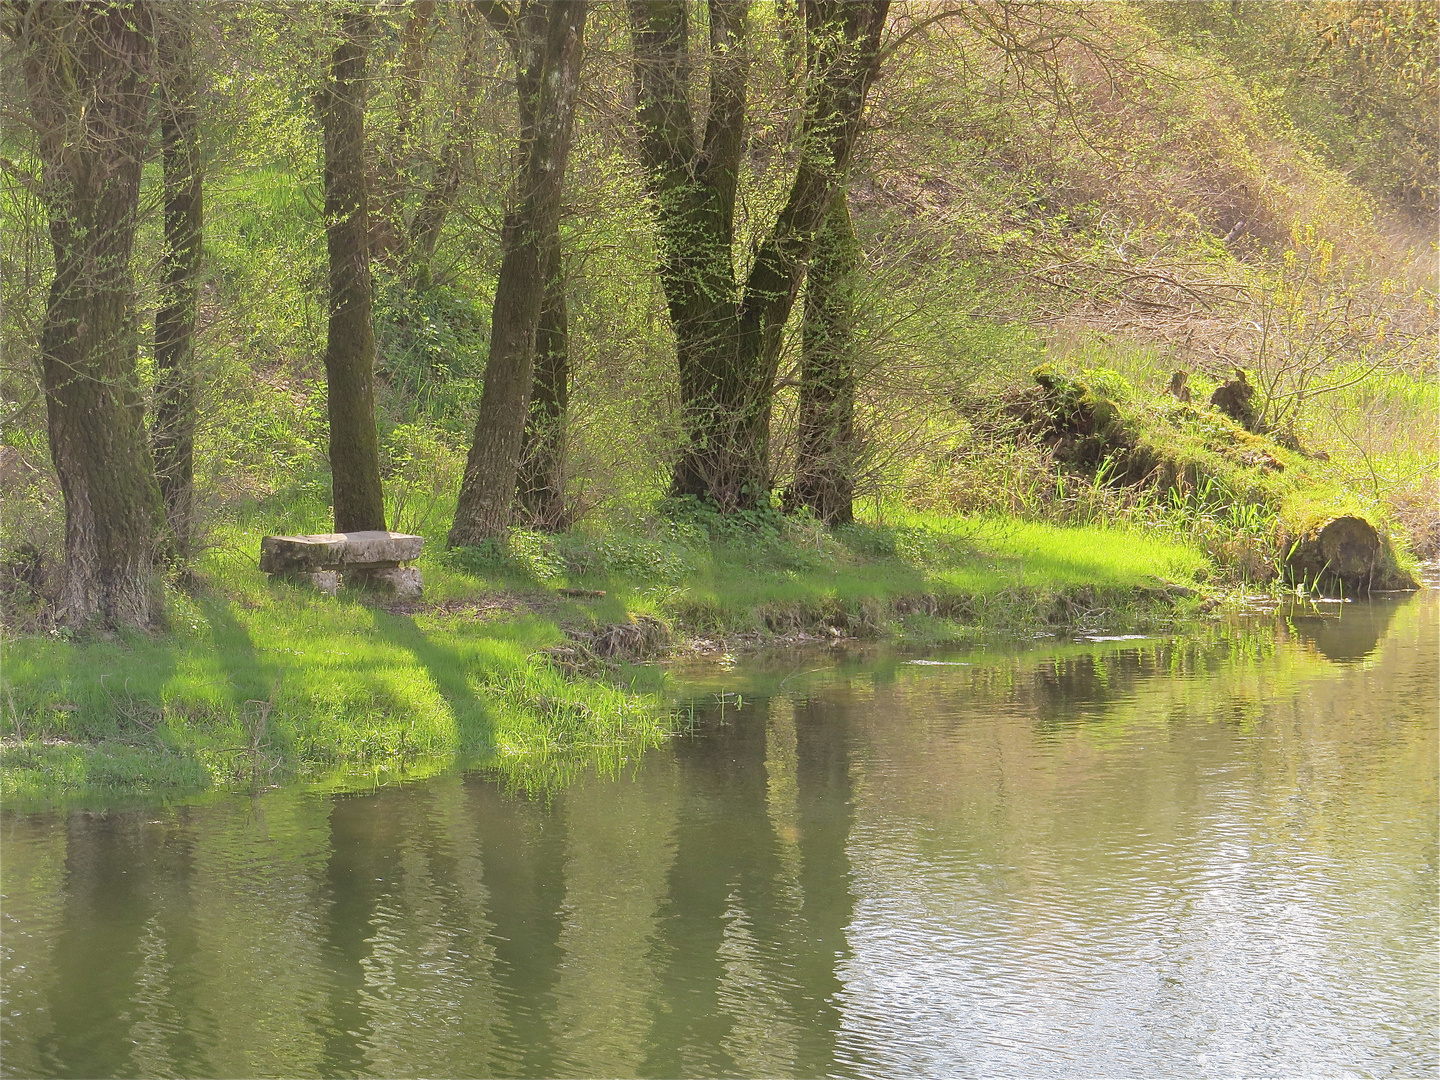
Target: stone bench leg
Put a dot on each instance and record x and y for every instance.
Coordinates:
(401, 582)
(324, 581)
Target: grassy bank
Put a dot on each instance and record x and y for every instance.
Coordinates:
(259, 682)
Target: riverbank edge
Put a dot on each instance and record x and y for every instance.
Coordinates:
(523, 680)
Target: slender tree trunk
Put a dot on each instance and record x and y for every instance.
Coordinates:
(350, 342)
(551, 34)
(89, 73)
(825, 465)
(173, 433)
(435, 205)
(394, 167)
(542, 469)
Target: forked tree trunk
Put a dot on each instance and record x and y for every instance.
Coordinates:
(350, 341)
(727, 337)
(551, 34)
(89, 73)
(692, 178)
(173, 431)
(825, 463)
(542, 469)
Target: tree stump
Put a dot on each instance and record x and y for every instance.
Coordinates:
(1236, 399)
(1347, 553)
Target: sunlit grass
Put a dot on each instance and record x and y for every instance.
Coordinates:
(259, 681)
(271, 680)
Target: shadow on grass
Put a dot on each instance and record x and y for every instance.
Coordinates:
(249, 677)
(86, 720)
(447, 668)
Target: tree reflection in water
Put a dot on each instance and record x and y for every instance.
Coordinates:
(833, 881)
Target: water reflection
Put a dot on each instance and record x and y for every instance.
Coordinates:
(1345, 632)
(1136, 857)
(523, 853)
(128, 934)
(361, 877)
(720, 916)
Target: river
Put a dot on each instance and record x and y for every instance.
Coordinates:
(1197, 856)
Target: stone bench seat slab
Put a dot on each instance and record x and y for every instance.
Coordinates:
(371, 548)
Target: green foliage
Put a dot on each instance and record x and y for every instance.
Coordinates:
(428, 339)
(1357, 78)
(529, 556)
(422, 469)
(1174, 187)
(619, 553)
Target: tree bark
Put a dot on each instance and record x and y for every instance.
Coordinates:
(825, 465)
(542, 466)
(728, 338)
(173, 432)
(550, 32)
(89, 72)
(350, 341)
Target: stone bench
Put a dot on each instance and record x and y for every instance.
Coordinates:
(372, 559)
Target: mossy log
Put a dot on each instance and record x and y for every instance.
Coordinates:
(1080, 423)
(1346, 553)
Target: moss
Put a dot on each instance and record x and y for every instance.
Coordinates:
(1206, 463)
(1331, 552)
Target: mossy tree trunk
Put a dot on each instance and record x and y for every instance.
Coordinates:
(173, 430)
(825, 463)
(89, 72)
(542, 469)
(693, 182)
(550, 35)
(350, 340)
(728, 335)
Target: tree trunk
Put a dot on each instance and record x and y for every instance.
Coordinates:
(350, 341)
(551, 34)
(435, 204)
(693, 185)
(173, 433)
(542, 468)
(727, 339)
(88, 70)
(394, 164)
(824, 469)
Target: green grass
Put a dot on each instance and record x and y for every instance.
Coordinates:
(271, 680)
(788, 576)
(257, 681)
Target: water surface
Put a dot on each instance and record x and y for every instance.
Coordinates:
(1129, 857)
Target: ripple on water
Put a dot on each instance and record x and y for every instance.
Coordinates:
(1127, 859)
